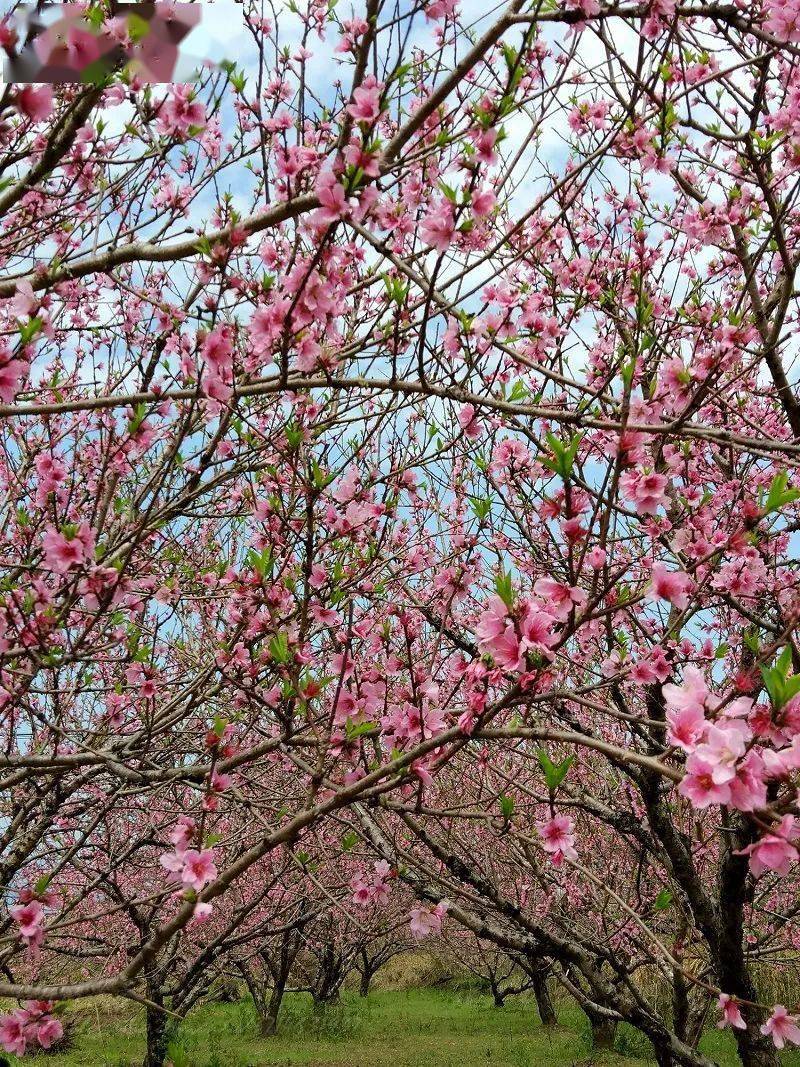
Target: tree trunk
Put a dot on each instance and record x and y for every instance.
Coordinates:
(324, 1000)
(547, 1013)
(664, 1057)
(269, 1020)
(736, 893)
(157, 1037)
(366, 981)
(603, 1032)
(680, 1005)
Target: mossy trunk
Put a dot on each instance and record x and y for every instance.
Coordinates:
(157, 1033)
(547, 1013)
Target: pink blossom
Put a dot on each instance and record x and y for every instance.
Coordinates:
(30, 919)
(674, 586)
(699, 785)
(366, 105)
(181, 112)
(35, 102)
(198, 868)
(731, 1016)
(485, 146)
(24, 300)
(536, 626)
(10, 375)
(483, 201)
(686, 707)
(332, 199)
(32, 1023)
(426, 921)
(491, 624)
(438, 227)
(646, 491)
(439, 9)
(48, 1032)
(172, 861)
(589, 8)
(596, 558)
(67, 548)
(217, 350)
(774, 851)
(8, 35)
(202, 912)
(50, 472)
(12, 1034)
(781, 1027)
(362, 893)
(560, 598)
(749, 788)
(508, 642)
(783, 19)
(468, 422)
(724, 745)
(687, 727)
(182, 832)
(558, 838)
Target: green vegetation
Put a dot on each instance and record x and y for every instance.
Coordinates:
(391, 1028)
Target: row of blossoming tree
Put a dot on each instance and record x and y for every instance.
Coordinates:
(400, 508)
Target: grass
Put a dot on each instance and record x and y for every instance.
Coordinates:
(391, 1028)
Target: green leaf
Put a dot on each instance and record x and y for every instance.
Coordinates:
(563, 455)
(138, 28)
(480, 506)
(29, 329)
(349, 840)
(663, 900)
(354, 730)
(260, 562)
(294, 436)
(780, 685)
(554, 773)
(519, 391)
(779, 495)
(42, 884)
(279, 648)
(504, 589)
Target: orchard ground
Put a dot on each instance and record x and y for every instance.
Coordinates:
(420, 1027)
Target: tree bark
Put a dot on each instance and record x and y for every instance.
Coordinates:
(269, 1020)
(603, 1032)
(544, 1003)
(157, 1036)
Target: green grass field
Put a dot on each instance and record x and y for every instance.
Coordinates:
(407, 1028)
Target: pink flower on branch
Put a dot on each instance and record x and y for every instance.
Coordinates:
(731, 1015)
(558, 838)
(181, 112)
(31, 1024)
(366, 105)
(674, 586)
(426, 921)
(30, 921)
(775, 851)
(72, 546)
(782, 1027)
(646, 491)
